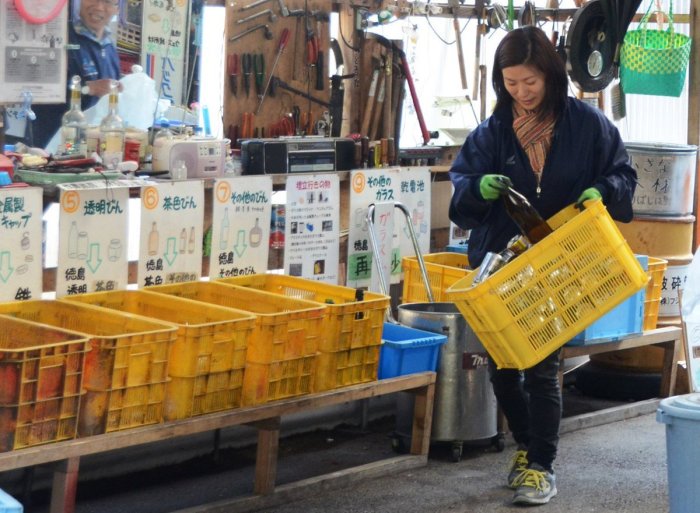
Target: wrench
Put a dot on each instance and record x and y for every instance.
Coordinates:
(268, 32)
(272, 16)
(279, 83)
(254, 4)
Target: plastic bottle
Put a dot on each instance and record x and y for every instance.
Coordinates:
(525, 216)
(74, 124)
(161, 147)
(112, 131)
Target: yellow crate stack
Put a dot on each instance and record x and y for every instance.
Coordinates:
(352, 335)
(125, 369)
(41, 373)
(281, 354)
(544, 297)
(657, 268)
(443, 270)
(207, 359)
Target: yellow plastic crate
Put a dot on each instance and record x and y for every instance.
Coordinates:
(125, 350)
(210, 339)
(348, 367)
(543, 298)
(264, 382)
(105, 411)
(350, 323)
(40, 383)
(443, 270)
(206, 393)
(286, 330)
(657, 269)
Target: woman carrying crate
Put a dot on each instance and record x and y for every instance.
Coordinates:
(555, 150)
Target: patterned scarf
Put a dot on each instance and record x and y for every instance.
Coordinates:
(535, 136)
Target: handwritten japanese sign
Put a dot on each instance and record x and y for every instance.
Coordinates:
(92, 252)
(172, 217)
(20, 254)
(164, 44)
(674, 280)
(240, 226)
(311, 228)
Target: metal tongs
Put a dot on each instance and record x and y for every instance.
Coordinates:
(416, 248)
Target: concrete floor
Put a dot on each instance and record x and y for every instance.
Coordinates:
(618, 466)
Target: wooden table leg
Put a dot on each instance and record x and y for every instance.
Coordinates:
(668, 370)
(266, 457)
(422, 419)
(65, 485)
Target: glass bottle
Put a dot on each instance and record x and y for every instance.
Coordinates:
(525, 216)
(73, 241)
(161, 145)
(255, 234)
(112, 131)
(74, 124)
(190, 241)
(225, 227)
(183, 240)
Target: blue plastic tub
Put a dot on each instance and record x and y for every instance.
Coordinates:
(8, 504)
(408, 350)
(625, 319)
(681, 415)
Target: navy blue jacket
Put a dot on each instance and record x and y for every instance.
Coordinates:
(89, 59)
(586, 151)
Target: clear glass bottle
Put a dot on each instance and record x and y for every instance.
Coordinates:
(225, 227)
(153, 240)
(112, 131)
(161, 145)
(74, 124)
(525, 216)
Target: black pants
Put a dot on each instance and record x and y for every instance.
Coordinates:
(531, 402)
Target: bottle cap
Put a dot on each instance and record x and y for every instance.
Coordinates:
(5, 178)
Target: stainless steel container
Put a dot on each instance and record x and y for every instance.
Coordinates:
(465, 406)
(666, 175)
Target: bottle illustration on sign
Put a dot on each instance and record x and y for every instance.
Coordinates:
(255, 235)
(183, 240)
(25, 241)
(190, 241)
(225, 227)
(73, 241)
(82, 245)
(153, 240)
(114, 251)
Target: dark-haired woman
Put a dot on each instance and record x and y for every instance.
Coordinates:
(556, 150)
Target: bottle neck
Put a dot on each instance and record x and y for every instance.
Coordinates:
(113, 103)
(75, 100)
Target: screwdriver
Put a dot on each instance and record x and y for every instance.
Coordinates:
(284, 39)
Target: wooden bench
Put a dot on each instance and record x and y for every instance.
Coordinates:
(266, 418)
(669, 338)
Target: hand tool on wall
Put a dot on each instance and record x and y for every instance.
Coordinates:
(284, 85)
(387, 125)
(311, 46)
(267, 12)
(320, 78)
(259, 69)
(378, 108)
(454, 4)
(246, 73)
(247, 129)
(284, 39)
(254, 4)
(232, 70)
(372, 93)
(266, 28)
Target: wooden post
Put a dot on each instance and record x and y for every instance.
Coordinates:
(266, 458)
(422, 420)
(65, 485)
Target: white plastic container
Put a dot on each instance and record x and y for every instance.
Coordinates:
(681, 415)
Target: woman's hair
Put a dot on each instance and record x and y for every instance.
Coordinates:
(529, 46)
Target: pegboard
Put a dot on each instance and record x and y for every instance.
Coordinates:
(291, 68)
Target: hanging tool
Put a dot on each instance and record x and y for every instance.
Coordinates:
(387, 125)
(454, 4)
(266, 28)
(246, 73)
(320, 78)
(311, 46)
(299, 92)
(270, 16)
(284, 39)
(248, 121)
(232, 70)
(254, 4)
(259, 69)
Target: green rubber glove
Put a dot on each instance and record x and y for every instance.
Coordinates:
(589, 194)
(492, 186)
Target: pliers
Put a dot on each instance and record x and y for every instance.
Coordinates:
(311, 42)
(259, 67)
(246, 73)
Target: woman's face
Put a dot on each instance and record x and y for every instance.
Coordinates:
(525, 84)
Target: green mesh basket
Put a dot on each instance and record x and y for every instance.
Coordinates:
(654, 61)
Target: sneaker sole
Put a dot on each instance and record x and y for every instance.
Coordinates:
(530, 500)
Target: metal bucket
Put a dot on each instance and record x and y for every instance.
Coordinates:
(465, 405)
(666, 178)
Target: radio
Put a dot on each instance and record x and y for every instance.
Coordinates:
(297, 155)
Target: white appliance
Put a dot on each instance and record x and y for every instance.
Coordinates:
(204, 158)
